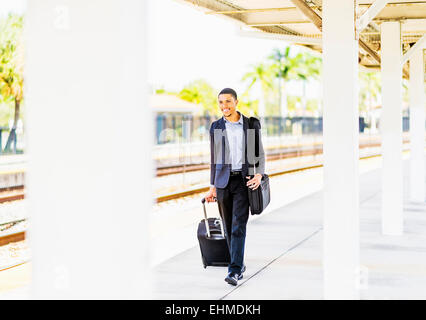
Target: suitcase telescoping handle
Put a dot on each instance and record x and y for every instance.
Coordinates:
(203, 201)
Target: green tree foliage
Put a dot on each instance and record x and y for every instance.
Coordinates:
(281, 65)
(202, 93)
(292, 103)
(11, 66)
(312, 105)
(369, 90)
(286, 67)
(260, 74)
(310, 66)
(248, 106)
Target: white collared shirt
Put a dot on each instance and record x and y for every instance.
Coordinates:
(235, 135)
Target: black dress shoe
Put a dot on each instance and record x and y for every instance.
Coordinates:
(232, 278)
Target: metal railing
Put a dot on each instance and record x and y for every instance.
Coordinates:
(174, 128)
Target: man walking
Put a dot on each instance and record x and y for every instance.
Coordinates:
(232, 163)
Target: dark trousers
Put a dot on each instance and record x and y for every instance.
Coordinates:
(234, 210)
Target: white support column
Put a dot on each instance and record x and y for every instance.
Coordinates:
(89, 141)
(340, 134)
(391, 129)
(417, 127)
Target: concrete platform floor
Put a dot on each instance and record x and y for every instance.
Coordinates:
(283, 256)
(284, 251)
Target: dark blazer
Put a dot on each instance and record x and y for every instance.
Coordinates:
(220, 165)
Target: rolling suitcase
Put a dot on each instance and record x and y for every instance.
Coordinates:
(213, 244)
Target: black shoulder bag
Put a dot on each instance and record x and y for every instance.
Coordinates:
(259, 198)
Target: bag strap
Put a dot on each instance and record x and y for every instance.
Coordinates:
(252, 120)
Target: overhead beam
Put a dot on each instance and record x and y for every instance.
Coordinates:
(405, 33)
(251, 10)
(285, 37)
(370, 51)
(401, 19)
(371, 12)
(419, 44)
(277, 23)
(260, 10)
(308, 12)
(317, 21)
(395, 4)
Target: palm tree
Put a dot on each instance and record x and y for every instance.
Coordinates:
(287, 67)
(201, 93)
(260, 75)
(369, 92)
(311, 69)
(11, 67)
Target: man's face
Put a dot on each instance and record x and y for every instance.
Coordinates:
(227, 104)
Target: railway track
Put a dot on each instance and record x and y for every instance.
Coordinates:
(13, 265)
(271, 156)
(12, 237)
(194, 191)
(7, 238)
(12, 194)
(13, 197)
(19, 194)
(7, 195)
(7, 225)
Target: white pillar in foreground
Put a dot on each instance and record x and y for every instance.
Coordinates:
(417, 127)
(340, 134)
(391, 128)
(89, 142)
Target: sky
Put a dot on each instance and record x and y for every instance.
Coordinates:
(187, 44)
(7, 6)
(184, 45)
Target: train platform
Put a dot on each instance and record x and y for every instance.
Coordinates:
(12, 170)
(284, 254)
(13, 162)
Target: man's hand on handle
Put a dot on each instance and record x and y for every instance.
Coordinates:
(255, 182)
(211, 195)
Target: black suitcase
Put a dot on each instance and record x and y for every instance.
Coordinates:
(213, 244)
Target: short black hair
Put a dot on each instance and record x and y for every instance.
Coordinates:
(228, 91)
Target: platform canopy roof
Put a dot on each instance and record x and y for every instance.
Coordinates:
(300, 22)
